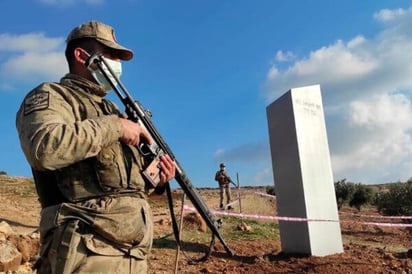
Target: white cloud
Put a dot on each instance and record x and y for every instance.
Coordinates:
(366, 82)
(335, 66)
(32, 42)
(284, 56)
(381, 125)
(386, 112)
(35, 65)
(347, 70)
(31, 57)
(386, 15)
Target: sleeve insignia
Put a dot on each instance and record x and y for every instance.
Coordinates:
(37, 101)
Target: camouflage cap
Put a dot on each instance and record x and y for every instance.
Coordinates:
(102, 33)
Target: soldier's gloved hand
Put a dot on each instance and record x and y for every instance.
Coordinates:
(132, 132)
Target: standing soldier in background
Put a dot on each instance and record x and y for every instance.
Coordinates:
(86, 165)
(224, 185)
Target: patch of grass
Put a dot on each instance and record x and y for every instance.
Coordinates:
(259, 230)
(255, 204)
(192, 237)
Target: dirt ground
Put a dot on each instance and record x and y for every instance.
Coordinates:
(368, 246)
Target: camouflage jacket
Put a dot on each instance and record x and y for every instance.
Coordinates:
(70, 136)
(222, 177)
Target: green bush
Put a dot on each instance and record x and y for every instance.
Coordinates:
(3, 173)
(355, 195)
(270, 190)
(361, 196)
(396, 201)
(344, 192)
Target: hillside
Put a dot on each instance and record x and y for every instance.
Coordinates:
(368, 248)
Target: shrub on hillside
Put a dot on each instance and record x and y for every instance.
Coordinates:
(361, 196)
(344, 192)
(270, 190)
(396, 201)
(355, 195)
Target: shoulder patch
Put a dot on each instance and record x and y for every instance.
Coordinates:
(37, 101)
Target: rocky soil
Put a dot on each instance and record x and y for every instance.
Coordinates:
(369, 246)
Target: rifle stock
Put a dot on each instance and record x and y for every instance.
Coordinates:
(138, 114)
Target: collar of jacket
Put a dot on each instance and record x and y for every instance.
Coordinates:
(84, 84)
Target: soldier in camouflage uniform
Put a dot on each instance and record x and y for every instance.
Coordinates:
(224, 185)
(86, 167)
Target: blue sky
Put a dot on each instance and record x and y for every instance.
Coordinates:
(208, 69)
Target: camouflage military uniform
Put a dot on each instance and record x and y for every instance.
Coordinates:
(95, 217)
(224, 186)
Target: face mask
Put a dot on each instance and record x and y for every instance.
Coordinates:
(115, 66)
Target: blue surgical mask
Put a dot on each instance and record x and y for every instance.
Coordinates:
(115, 66)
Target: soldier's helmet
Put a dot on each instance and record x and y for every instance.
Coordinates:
(222, 165)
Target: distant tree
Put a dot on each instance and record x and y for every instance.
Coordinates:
(344, 192)
(361, 196)
(3, 173)
(397, 200)
(270, 190)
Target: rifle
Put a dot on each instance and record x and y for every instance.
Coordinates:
(154, 151)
